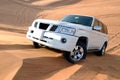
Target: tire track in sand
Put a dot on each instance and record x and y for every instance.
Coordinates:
(113, 41)
(114, 36)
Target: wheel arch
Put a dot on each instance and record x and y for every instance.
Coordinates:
(106, 43)
(83, 39)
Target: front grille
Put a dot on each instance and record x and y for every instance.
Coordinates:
(54, 27)
(36, 23)
(43, 26)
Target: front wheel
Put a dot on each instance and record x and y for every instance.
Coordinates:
(36, 45)
(79, 52)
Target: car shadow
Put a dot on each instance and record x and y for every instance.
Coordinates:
(40, 68)
(24, 46)
(15, 46)
(107, 65)
(45, 67)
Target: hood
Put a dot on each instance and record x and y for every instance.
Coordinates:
(76, 26)
(46, 21)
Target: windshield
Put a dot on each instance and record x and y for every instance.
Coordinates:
(76, 19)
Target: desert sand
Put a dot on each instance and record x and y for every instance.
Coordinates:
(20, 61)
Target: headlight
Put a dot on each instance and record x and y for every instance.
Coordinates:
(67, 30)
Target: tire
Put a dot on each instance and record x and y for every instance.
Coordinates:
(78, 53)
(102, 51)
(36, 45)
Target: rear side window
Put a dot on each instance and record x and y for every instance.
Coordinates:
(98, 23)
(102, 30)
(105, 29)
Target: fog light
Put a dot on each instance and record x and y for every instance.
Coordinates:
(63, 40)
(31, 31)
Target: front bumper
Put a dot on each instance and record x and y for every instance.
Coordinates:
(53, 40)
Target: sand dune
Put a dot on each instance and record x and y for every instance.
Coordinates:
(20, 61)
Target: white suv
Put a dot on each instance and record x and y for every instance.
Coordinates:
(75, 35)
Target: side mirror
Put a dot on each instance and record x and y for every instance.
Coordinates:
(98, 28)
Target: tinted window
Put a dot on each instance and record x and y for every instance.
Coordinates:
(43, 26)
(96, 23)
(54, 27)
(102, 30)
(76, 19)
(103, 27)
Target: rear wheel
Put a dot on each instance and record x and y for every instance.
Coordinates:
(102, 51)
(79, 52)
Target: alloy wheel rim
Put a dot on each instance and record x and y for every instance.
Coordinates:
(103, 50)
(77, 53)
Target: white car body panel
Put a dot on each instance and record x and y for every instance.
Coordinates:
(53, 39)
(98, 39)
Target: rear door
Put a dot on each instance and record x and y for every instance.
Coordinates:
(98, 37)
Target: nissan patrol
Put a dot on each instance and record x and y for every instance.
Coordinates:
(75, 35)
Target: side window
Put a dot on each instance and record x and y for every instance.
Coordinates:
(96, 23)
(102, 26)
(105, 28)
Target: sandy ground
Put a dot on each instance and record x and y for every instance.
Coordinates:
(20, 61)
